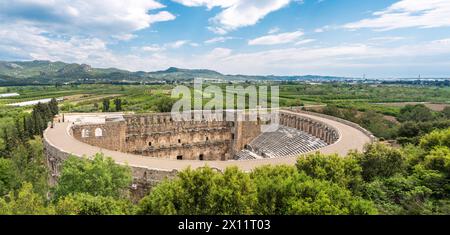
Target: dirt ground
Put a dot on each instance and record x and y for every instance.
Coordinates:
(75, 99)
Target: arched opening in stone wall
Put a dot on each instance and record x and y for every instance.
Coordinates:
(180, 157)
(200, 157)
(98, 132)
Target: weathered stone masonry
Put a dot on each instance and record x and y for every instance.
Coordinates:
(157, 135)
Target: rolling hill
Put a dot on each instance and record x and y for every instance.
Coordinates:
(47, 72)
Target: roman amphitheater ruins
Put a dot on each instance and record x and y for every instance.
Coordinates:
(155, 146)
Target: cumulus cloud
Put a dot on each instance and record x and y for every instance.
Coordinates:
(88, 17)
(274, 39)
(346, 59)
(237, 13)
(407, 14)
(28, 42)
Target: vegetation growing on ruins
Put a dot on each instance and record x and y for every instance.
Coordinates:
(409, 179)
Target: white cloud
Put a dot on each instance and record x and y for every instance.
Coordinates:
(218, 39)
(208, 3)
(177, 44)
(28, 42)
(218, 53)
(237, 13)
(166, 46)
(86, 17)
(274, 30)
(305, 41)
(346, 59)
(274, 39)
(386, 39)
(407, 14)
(25, 42)
(124, 37)
(152, 48)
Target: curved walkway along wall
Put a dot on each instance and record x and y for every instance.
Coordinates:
(59, 143)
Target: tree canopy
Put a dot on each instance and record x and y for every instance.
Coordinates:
(98, 176)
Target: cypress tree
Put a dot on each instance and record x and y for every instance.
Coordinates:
(53, 105)
(30, 127)
(105, 107)
(7, 142)
(118, 103)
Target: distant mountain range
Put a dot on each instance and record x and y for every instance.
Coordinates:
(47, 72)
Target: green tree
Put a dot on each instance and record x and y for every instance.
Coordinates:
(350, 114)
(399, 195)
(418, 113)
(344, 171)
(202, 191)
(86, 204)
(98, 177)
(105, 106)
(446, 112)
(25, 202)
(235, 194)
(332, 110)
(376, 123)
(53, 106)
(164, 104)
(29, 164)
(379, 160)
(118, 104)
(8, 180)
(164, 199)
(436, 138)
(283, 190)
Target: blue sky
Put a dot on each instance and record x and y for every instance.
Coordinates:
(382, 38)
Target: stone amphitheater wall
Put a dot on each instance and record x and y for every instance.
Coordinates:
(343, 121)
(316, 128)
(225, 138)
(157, 135)
(112, 135)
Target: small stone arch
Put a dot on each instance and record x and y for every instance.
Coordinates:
(98, 132)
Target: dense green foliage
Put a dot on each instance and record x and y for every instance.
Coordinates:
(415, 121)
(202, 191)
(267, 190)
(98, 176)
(87, 204)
